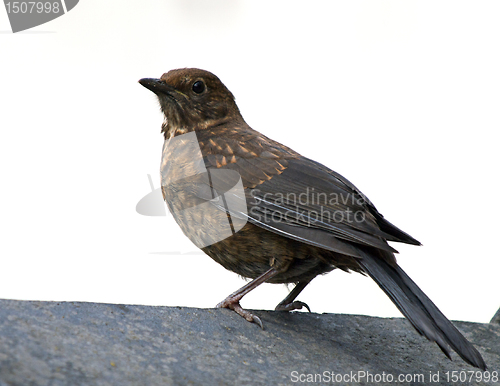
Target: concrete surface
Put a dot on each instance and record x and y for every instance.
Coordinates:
(50, 343)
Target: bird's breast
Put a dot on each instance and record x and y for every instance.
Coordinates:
(208, 204)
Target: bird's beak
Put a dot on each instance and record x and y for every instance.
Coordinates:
(157, 86)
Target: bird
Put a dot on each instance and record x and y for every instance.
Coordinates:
(269, 214)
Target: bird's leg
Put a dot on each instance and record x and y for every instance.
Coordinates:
(288, 303)
(233, 301)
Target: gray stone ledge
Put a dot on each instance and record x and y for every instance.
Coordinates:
(69, 343)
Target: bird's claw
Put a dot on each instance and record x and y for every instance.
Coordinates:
(257, 320)
(235, 306)
(296, 305)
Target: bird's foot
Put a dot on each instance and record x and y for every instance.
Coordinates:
(296, 305)
(234, 305)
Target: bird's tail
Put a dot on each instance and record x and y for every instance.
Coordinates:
(419, 309)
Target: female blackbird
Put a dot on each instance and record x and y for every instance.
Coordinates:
(264, 211)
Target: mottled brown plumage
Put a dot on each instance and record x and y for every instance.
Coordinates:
(291, 219)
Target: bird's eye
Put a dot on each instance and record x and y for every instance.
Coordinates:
(198, 87)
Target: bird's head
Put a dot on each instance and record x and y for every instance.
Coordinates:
(191, 99)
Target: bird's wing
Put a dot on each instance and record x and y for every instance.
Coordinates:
(300, 198)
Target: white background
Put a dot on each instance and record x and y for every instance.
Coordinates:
(402, 98)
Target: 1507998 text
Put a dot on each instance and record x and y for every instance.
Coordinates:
(32, 7)
(471, 376)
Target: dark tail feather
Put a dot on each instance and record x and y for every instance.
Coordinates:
(419, 309)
